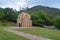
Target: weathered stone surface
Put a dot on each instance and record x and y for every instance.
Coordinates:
(24, 20)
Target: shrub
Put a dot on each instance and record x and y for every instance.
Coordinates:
(57, 22)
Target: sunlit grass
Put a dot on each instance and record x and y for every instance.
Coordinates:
(10, 36)
(44, 32)
(4, 35)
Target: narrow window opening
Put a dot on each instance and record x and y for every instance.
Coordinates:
(19, 25)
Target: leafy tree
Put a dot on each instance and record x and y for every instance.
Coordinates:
(1, 13)
(10, 14)
(40, 17)
(57, 22)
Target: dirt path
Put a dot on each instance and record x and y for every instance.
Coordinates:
(28, 36)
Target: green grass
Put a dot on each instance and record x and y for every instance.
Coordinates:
(44, 32)
(10, 36)
(4, 35)
(7, 23)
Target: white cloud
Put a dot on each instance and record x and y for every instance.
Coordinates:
(15, 4)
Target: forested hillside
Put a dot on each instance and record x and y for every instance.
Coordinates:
(51, 12)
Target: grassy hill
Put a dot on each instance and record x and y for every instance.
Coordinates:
(51, 12)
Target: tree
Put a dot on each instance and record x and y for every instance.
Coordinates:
(1, 13)
(10, 14)
(57, 22)
(40, 17)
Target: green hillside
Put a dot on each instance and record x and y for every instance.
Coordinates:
(51, 12)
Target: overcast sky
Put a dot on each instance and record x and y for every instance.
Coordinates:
(16, 4)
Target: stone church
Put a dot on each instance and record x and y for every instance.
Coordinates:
(24, 20)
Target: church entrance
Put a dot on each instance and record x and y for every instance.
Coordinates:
(19, 25)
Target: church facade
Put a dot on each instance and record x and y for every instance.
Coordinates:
(24, 20)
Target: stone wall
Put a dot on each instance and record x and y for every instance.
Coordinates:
(24, 20)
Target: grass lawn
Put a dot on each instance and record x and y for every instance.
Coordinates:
(10, 36)
(44, 32)
(4, 35)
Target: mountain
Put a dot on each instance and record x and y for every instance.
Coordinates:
(51, 12)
